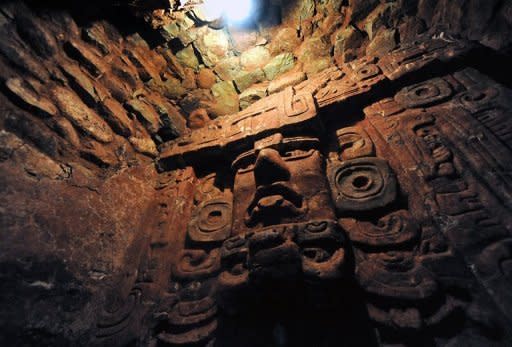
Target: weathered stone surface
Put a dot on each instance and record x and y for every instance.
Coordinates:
(287, 80)
(180, 28)
(322, 64)
(346, 43)
(198, 119)
(173, 63)
(384, 42)
(117, 117)
(251, 95)
(33, 131)
(30, 97)
(82, 116)
(450, 15)
(378, 18)
(243, 39)
(206, 79)
(4, 19)
(279, 65)
(33, 162)
(145, 113)
(286, 40)
(411, 28)
(187, 57)
(123, 68)
(330, 6)
(311, 51)
(226, 98)
(188, 36)
(295, 12)
(18, 56)
(95, 34)
(426, 9)
(195, 99)
(99, 154)
(329, 25)
(144, 145)
(87, 56)
(36, 35)
(116, 87)
(65, 129)
(227, 69)
(254, 58)
(189, 82)
(213, 46)
(479, 14)
(173, 122)
(170, 31)
(360, 8)
(172, 88)
(81, 83)
(139, 55)
(56, 277)
(246, 79)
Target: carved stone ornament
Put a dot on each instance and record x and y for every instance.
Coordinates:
(212, 221)
(354, 143)
(196, 264)
(378, 191)
(424, 94)
(393, 229)
(362, 184)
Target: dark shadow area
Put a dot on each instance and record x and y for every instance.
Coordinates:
(121, 14)
(288, 316)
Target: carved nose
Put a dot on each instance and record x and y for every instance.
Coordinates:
(270, 167)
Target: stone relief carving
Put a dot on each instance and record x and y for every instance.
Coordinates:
(398, 217)
(353, 142)
(362, 184)
(212, 221)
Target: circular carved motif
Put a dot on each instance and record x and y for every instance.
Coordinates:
(212, 221)
(477, 99)
(394, 229)
(424, 94)
(362, 184)
(367, 71)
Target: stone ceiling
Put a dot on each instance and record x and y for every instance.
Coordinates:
(146, 72)
(150, 70)
(229, 68)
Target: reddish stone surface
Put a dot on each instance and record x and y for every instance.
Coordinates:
(394, 203)
(367, 204)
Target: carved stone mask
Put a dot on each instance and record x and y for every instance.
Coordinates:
(282, 180)
(284, 224)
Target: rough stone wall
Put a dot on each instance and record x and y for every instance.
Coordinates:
(102, 93)
(225, 69)
(64, 238)
(80, 113)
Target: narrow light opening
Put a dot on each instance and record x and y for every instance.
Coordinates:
(234, 12)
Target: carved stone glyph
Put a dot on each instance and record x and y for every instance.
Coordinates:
(362, 184)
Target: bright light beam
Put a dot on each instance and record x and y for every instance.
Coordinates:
(234, 11)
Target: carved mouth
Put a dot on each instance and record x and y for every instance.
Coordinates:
(273, 202)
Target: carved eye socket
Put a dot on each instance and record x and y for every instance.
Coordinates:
(244, 162)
